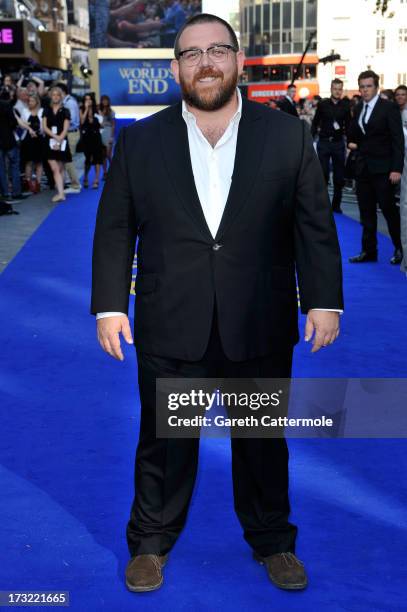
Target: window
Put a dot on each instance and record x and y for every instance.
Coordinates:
(402, 78)
(310, 72)
(276, 16)
(298, 14)
(381, 80)
(286, 40)
(311, 13)
(286, 15)
(266, 18)
(380, 41)
(246, 20)
(403, 35)
(257, 22)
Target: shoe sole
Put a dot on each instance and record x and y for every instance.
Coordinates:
(145, 588)
(285, 587)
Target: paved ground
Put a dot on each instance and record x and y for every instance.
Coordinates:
(15, 230)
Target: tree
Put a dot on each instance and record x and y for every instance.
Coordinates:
(382, 6)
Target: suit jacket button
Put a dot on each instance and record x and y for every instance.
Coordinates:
(216, 246)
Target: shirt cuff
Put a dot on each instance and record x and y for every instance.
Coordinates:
(104, 315)
(329, 310)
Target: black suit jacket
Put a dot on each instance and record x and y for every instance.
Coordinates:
(288, 107)
(381, 149)
(8, 124)
(277, 219)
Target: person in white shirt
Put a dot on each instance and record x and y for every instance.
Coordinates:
(226, 198)
(22, 100)
(72, 105)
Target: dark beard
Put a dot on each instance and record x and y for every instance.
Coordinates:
(213, 102)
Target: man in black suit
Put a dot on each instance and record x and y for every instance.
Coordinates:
(376, 134)
(331, 124)
(287, 104)
(228, 201)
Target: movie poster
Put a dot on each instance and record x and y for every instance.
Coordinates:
(138, 82)
(138, 24)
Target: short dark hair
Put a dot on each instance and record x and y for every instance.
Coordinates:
(205, 18)
(336, 81)
(389, 93)
(403, 87)
(63, 87)
(369, 74)
(291, 86)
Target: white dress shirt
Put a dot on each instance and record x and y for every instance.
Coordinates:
(370, 108)
(212, 168)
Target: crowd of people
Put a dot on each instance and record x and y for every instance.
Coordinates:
(41, 128)
(360, 139)
(148, 23)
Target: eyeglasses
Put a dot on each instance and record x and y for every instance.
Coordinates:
(217, 54)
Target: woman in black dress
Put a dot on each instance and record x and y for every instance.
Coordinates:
(108, 128)
(32, 146)
(91, 139)
(56, 125)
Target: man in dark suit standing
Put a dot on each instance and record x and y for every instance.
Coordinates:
(376, 134)
(228, 201)
(331, 124)
(287, 104)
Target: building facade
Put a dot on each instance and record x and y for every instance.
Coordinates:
(277, 27)
(365, 39)
(274, 35)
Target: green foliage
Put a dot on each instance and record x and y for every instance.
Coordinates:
(382, 6)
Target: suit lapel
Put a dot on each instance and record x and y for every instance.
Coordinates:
(374, 113)
(249, 153)
(175, 147)
(359, 109)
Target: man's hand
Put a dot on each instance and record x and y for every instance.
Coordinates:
(325, 324)
(108, 330)
(395, 177)
(352, 146)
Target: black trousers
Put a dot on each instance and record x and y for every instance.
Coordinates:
(335, 151)
(373, 189)
(166, 468)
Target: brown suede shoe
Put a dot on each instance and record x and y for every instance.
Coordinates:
(284, 570)
(143, 572)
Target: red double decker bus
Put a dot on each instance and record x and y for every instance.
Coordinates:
(267, 77)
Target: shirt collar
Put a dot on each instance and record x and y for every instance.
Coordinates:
(188, 116)
(372, 101)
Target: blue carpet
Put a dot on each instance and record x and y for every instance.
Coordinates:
(69, 426)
